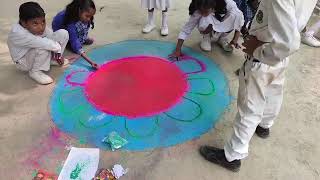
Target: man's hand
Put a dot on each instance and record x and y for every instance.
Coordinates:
(250, 44)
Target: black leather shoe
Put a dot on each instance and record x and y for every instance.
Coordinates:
(217, 156)
(262, 132)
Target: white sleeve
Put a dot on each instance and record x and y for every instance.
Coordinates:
(190, 25)
(32, 41)
(282, 24)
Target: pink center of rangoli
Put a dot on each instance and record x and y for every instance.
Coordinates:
(136, 86)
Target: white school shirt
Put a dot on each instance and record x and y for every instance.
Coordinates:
(194, 19)
(279, 23)
(20, 41)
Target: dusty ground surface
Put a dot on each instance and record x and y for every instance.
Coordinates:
(292, 152)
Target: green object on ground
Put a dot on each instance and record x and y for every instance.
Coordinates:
(115, 141)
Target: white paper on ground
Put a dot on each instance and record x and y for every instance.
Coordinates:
(119, 171)
(81, 164)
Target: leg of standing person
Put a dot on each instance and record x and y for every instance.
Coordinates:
(164, 26)
(150, 22)
(259, 86)
(274, 98)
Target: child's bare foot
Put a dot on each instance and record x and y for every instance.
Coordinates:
(56, 63)
(58, 60)
(72, 58)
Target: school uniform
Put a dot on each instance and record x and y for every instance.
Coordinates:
(34, 53)
(78, 31)
(162, 5)
(234, 21)
(278, 23)
(157, 4)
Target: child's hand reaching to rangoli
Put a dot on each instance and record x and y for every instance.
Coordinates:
(95, 65)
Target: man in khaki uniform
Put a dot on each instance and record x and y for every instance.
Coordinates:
(274, 36)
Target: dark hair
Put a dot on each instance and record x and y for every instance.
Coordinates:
(251, 2)
(30, 10)
(75, 7)
(220, 7)
(200, 4)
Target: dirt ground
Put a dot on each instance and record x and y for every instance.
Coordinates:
(291, 153)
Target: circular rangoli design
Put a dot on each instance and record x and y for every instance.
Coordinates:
(137, 92)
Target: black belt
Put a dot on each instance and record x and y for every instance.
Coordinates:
(256, 60)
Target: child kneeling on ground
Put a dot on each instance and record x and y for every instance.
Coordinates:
(77, 18)
(34, 47)
(215, 19)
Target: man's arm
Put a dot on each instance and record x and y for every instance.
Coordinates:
(282, 24)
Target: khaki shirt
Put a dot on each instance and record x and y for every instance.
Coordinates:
(279, 23)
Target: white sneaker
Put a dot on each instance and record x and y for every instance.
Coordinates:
(205, 44)
(55, 63)
(164, 31)
(310, 40)
(225, 45)
(148, 28)
(40, 77)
